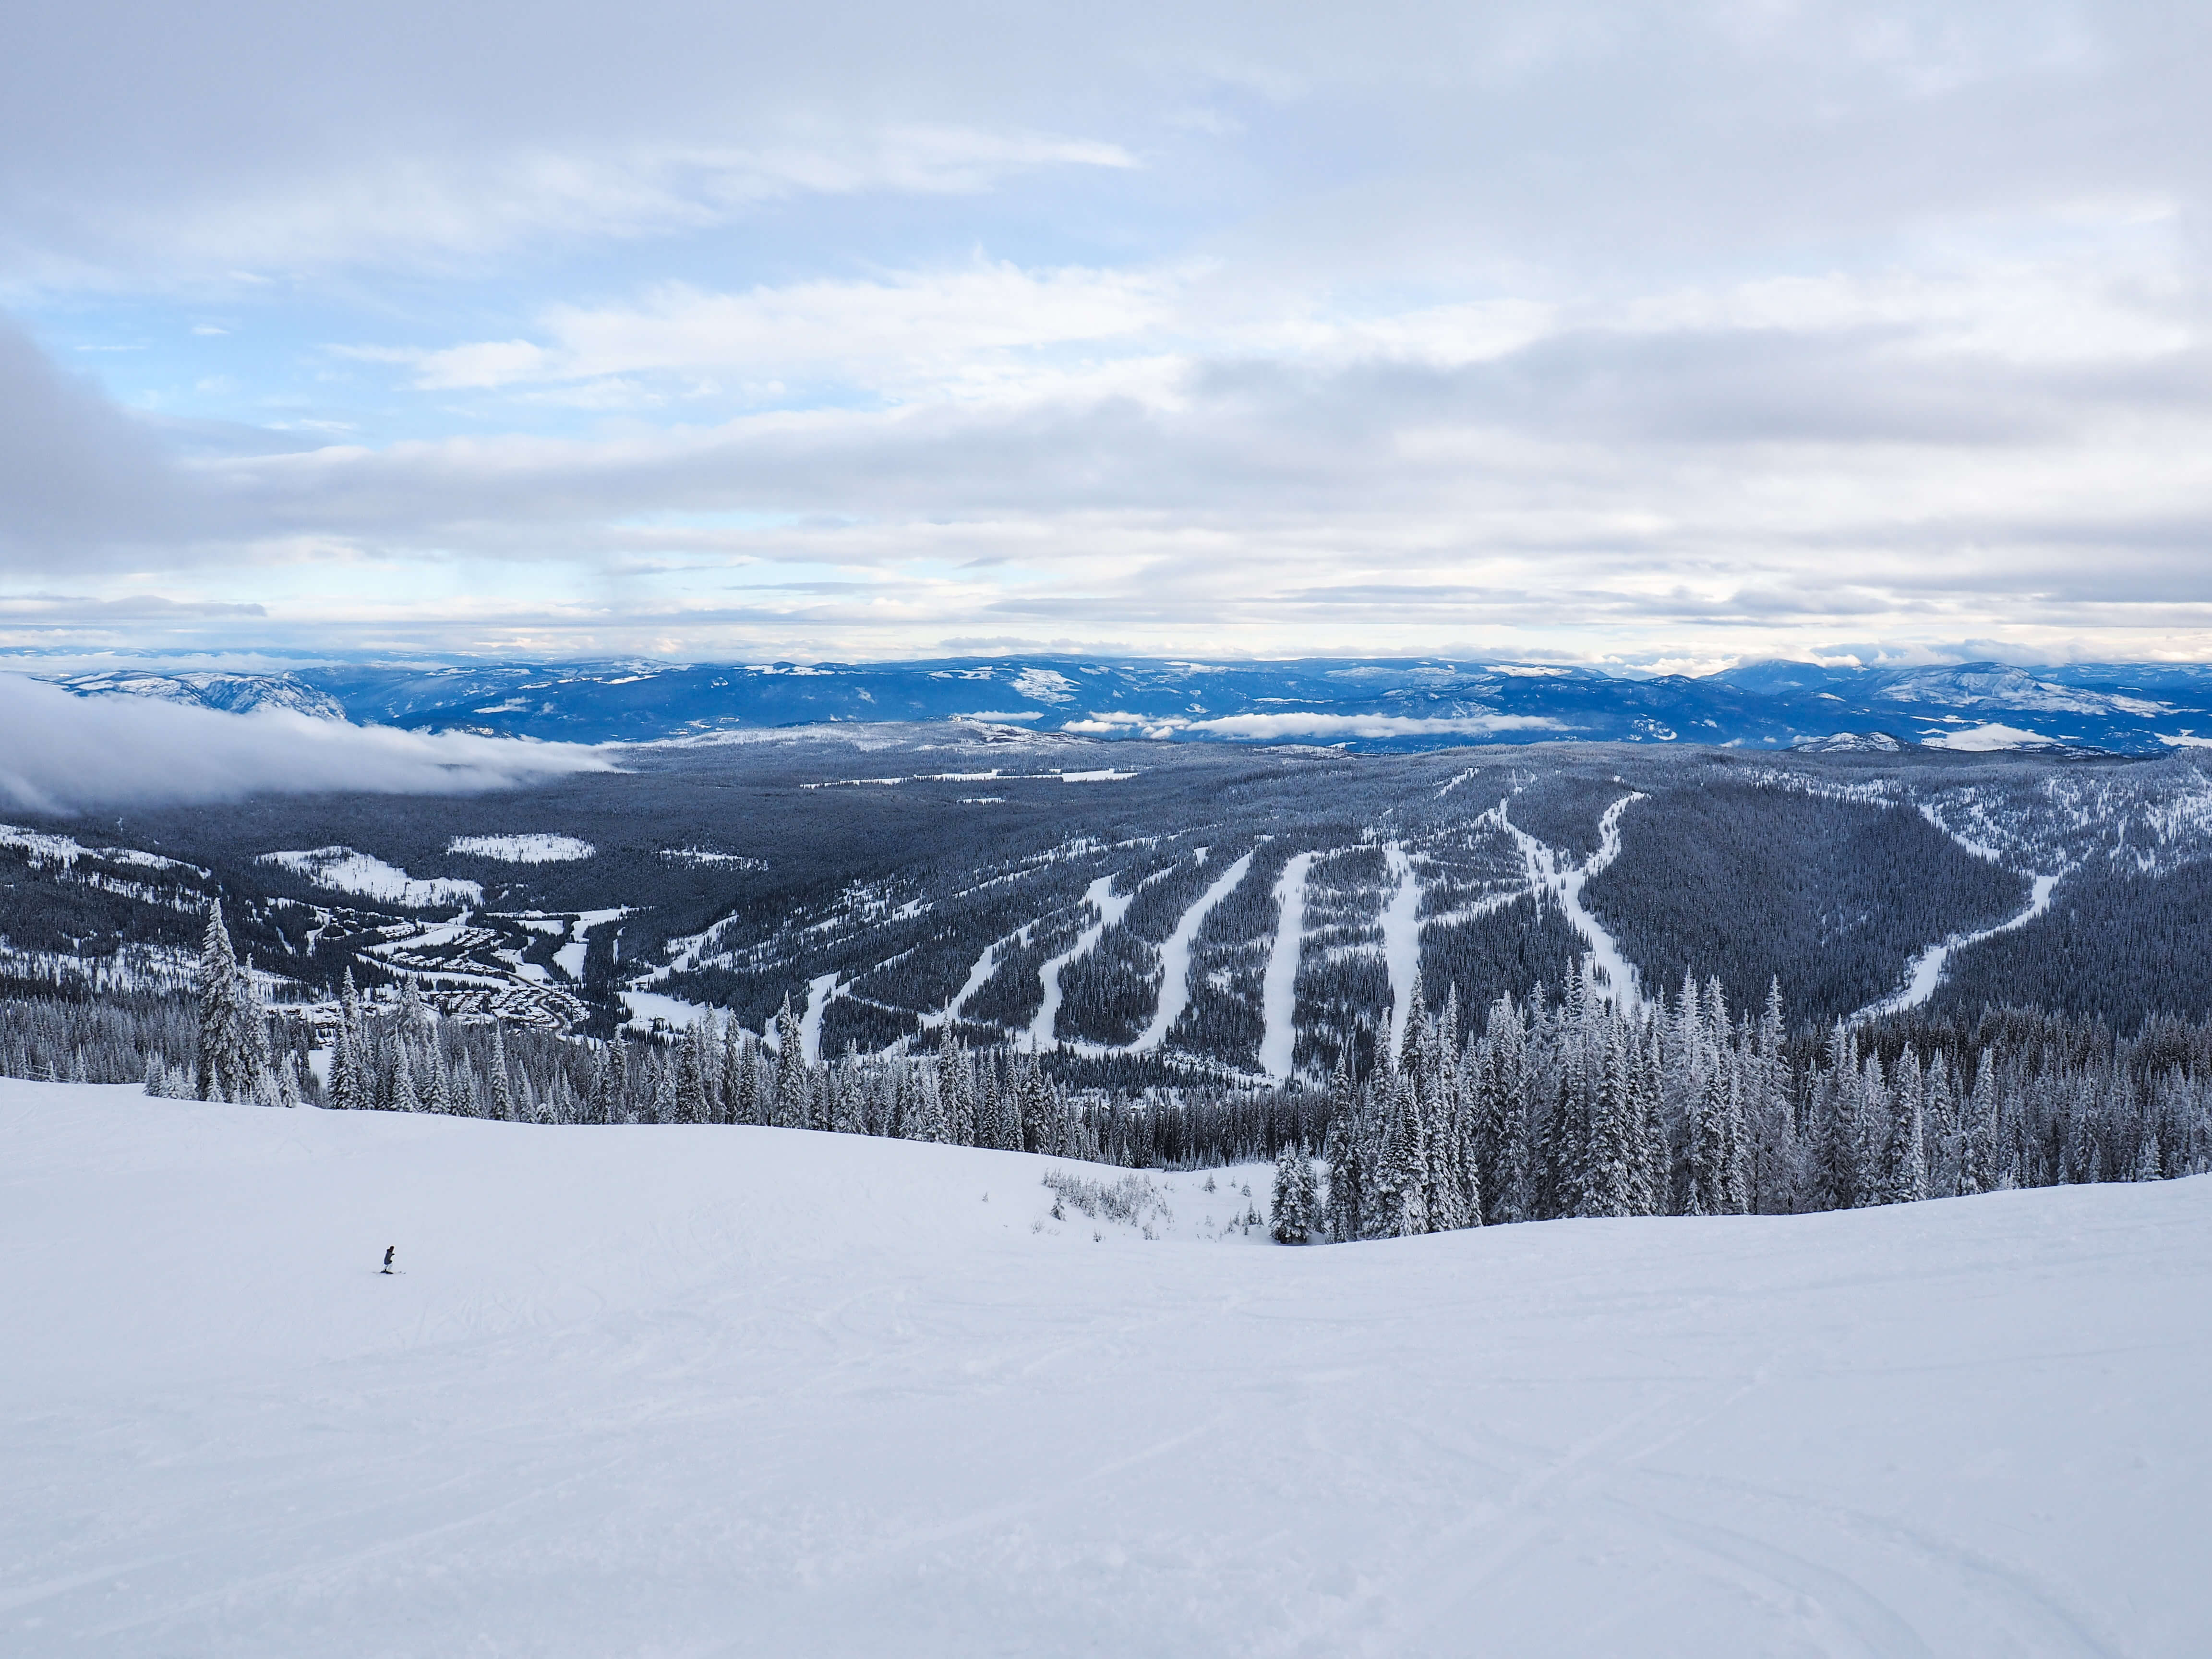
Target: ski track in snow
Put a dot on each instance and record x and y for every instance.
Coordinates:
(1099, 895)
(1400, 922)
(1926, 972)
(821, 991)
(1279, 995)
(1549, 868)
(640, 1388)
(1175, 959)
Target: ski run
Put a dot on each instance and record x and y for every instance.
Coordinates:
(1926, 971)
(1278, 990)
(701, 1389)
(1175, 959)
(1401, 938)
(1549, 871)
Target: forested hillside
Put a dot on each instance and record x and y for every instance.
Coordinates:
(1236, 917)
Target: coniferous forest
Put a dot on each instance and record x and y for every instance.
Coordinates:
(1532, 1109)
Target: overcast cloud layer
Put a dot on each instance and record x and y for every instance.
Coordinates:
(63, 753)
(1648, 334)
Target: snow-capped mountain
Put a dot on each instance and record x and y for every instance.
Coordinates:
(232, 693)
(1375, 704)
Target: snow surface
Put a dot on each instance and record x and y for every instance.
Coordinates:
(647, 1006)
(343, 870)
(979, 975)
(40, 848)
(1984, 738)
(1278, 1031)
(821, 992)
(705, 858)
(523, 849)
(1401, 940)
(704, 1390)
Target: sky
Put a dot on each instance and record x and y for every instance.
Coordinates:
(1650, 336)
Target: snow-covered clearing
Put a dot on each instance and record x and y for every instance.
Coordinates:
(1401, 940)
(1175, 957)
(343, 870)
(647, 1006)
(1983, 738)
(1549, 868)
(1278, 990)
(1108, 910)
(1926, 971)
(708, 1390)
(523, 849)
(702, 858)
(40, 848)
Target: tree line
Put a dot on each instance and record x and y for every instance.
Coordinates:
(1566, 1106)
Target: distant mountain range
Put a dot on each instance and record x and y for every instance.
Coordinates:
(1382, 704)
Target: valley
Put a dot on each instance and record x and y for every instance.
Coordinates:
(1206, 912)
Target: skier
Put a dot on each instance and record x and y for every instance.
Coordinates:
(389, 1251)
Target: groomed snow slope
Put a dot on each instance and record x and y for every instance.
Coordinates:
(657, 1391)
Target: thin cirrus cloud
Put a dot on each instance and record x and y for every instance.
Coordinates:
(935, 322)
(436, 210)
(1622, 331)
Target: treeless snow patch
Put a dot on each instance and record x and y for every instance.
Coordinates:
(1985, 737)
(523, 849)
(343, 870)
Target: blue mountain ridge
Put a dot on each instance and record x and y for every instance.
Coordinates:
(1375, 703)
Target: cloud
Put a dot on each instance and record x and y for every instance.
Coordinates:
(75, 470)
(1620, 330)
(63, 753)
(932, 324)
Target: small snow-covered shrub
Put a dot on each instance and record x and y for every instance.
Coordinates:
(1132, 1200)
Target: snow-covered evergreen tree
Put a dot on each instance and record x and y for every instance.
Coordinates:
(1291, 1208)
(233, 1059)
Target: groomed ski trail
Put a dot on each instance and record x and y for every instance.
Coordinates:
(979, 975)
(1174, 960)
(1099, 895)
(1926, 972)
(1548, 868)
(821, 992)
(1400, 922)
(1278, 991)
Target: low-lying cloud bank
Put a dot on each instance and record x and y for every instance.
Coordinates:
(63, 753)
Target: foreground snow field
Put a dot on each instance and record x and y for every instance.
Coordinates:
(660, 1391)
